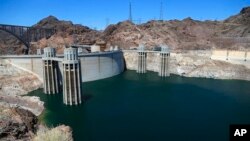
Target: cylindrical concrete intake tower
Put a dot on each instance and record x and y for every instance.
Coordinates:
(50, 74)
(71, 77)
(164, 62)
(142, 60)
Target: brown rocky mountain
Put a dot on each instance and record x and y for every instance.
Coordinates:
(66, 33)
(232, 33)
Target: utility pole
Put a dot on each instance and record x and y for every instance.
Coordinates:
(139, 21)
(107, 22)
(161, 12)
(130, 12)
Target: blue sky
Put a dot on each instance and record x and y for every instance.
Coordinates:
(94, 13)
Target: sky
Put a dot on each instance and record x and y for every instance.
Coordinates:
(98, 13)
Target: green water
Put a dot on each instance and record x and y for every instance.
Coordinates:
(133, 107)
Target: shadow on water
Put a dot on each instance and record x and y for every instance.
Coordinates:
(86, 97)
(146, 107)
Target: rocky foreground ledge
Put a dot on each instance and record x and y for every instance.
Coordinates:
(19, 114)
(22, 125)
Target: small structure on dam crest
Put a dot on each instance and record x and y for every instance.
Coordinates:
(71, 77)
(141, 60)
(50, 73)
(164, 62)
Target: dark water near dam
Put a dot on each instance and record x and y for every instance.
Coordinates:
(145, 107)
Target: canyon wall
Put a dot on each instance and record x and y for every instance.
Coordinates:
(196, 63)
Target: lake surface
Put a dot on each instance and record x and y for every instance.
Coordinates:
(145, 107)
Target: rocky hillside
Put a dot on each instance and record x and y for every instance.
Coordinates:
(232, 33)
(66, 33)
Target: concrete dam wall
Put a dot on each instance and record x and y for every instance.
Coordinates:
(94, 66)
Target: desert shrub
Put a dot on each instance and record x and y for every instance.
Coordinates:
(53, 134)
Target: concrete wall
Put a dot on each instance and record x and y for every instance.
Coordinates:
(101, 66)
(93, 66)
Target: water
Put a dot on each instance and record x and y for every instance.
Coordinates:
(145, 107)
